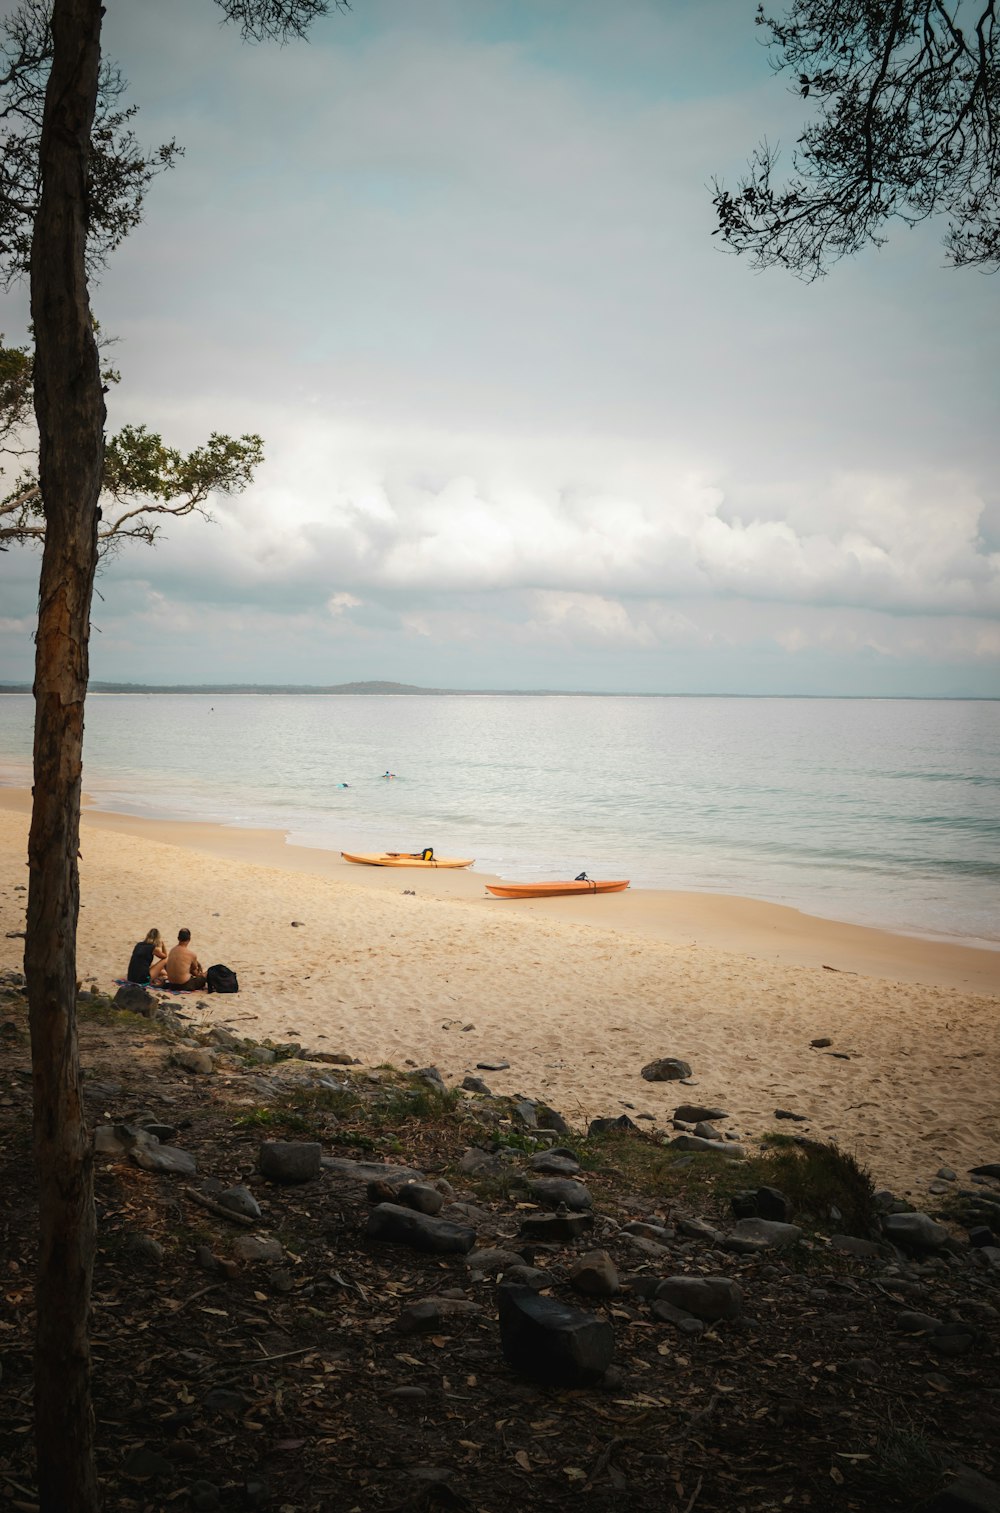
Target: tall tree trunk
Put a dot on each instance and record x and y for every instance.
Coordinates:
(69, 406)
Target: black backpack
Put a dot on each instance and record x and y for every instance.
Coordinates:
(220, 979)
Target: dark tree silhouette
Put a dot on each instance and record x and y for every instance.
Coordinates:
(907, 127)
(66, 200)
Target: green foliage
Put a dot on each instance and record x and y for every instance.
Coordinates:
(904, 105)
(271, 1118)
(818, 1176)
(120, 171)
(905, 1465)
(147, 479)
(405, 1104)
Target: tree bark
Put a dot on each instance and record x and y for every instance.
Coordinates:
(69, 406)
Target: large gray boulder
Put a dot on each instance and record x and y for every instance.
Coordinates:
(666, 1069)
(289, 1161)
(914, 1231)
(396, 1225)
(552, 1342)
(708, 1298)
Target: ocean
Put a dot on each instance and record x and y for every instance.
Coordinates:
(881, 812)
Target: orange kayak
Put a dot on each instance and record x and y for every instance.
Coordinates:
(553, 890)
(406, 859)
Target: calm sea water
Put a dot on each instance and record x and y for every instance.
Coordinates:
(881, 812)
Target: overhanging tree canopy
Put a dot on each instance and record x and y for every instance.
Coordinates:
(908, 126)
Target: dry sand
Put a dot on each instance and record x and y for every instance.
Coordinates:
(577, 994)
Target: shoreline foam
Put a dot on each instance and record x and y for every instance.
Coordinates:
(577, 994)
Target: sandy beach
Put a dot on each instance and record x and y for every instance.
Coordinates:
(577, 994)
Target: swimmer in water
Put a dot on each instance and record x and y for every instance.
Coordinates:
(388, 774)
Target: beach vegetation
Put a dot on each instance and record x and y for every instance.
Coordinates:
(905, 1464)
(904, 105)
(822, 1182)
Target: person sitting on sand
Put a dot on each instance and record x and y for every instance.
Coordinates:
(182, 969)
(141, 961)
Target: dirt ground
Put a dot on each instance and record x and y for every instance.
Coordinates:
(288, 1385)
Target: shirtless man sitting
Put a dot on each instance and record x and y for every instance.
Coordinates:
(182, 969)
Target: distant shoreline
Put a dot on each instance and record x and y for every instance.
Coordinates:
(411, 690)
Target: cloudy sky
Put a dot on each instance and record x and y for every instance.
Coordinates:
(526, 424)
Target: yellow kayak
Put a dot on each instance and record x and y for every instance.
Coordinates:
(555, 890)
(407, 859)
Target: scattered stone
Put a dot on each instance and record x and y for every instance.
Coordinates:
(554, 1164)
(991, 1169)
(201, 1062)
(666, 1069)
(281, 1280)
(261, 1055)
(477, 1160)
(980, 1235)
(667, 1313)
(396, 1225)
(652, 1248)
(556, 1190)
(219, 1035)
(549, 1119)
(696, 1143)
(694, 1113)
(528, 1276)
(855, 1246)
(608, 1126)
(494, 1260)
(431, 1315)
(297, 924)
(706, 1131)
(946, 1174)
(136, 1000)
(698, 1229)
(909, 1321)
(419, 1196)
(332, 1058)
(656, 1232)
(257, 1248)
(743, 1245)
(744, 1204)
(240, 1200)
(556, 1229)
(289, 1161)
(369, 1171)
(525, 1112)
(784, 1113)
(492, 1066)
(551, 1342)
(431, 1077)
(772, 1204)
(968, 1493)
(707, 1298)
(472, 1084)
(914, 1231)
(164, 1158)
(821, 1042)
(595, 1274)
(778, 1235)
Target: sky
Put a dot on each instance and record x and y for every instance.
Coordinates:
(526, 424)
